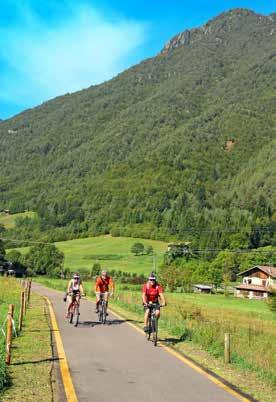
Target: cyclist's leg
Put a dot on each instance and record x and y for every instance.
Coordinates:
(69, 305)
(98, 297)
(78, 297)
(146, 320)
(106, 294)
(157, 313)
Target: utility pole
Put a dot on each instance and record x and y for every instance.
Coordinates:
(154, 262)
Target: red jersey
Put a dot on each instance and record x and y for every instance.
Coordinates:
(152, 292)
(102, 285)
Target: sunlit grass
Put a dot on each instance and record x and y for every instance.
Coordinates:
(9, 220)
(83, 253)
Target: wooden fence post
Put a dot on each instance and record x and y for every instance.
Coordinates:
(25, 301)
(9, 334)
(21, 311)
(29, 289)
(227, 358)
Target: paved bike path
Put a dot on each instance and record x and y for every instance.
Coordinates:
(114, 363)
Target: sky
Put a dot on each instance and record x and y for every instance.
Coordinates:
(49, 48)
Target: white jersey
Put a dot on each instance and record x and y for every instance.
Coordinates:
(74, 287)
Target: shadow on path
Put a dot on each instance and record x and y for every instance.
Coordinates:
(51, 359)
(108, 322)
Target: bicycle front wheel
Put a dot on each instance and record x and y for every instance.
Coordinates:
(104, 313)
(100, 313)
(148, 334)
(76, 316)
(154, 330)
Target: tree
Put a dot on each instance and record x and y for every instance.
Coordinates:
(149, 250)
(272, 301)
(2, 249)
(96, 269)
(14, 256)
(44, 259)
(226, 263)
(137, 248)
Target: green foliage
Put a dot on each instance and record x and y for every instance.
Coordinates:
(14, 256)
(2, 249)
(146, 154)
(137, 248)
(272, 301)
(44, 259)
(149, 250)
(96, 269)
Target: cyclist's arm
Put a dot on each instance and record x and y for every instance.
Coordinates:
(112, 285)
(81, 289)
(96, 285)
(68, 287)
(162, 298)
(144, 297)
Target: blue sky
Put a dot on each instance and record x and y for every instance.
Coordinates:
(48, 48)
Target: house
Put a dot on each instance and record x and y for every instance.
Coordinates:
(182, 247)
(9, 268)
(257, 282)
(202, 288)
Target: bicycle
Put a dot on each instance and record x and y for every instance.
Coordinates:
(153, 322)
(74, 312)
(102, 309)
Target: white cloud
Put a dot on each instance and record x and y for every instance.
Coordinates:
(45, 60)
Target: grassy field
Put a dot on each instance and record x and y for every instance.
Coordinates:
(9, 220)
(9, 294)
(110, 252)
(195, 324)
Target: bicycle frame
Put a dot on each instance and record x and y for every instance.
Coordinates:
(74, 309)
(153, 323)
(102, 309)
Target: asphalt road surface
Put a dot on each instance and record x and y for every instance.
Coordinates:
(114, 362)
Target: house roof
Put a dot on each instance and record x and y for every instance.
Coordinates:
(271, 271)
(252, 287)
(203, 286)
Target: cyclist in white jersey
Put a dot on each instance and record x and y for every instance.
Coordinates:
(74, 287)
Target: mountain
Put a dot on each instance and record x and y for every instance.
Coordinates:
(181, 145)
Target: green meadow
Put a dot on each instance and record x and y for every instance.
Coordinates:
(110, 252)
(8, 221)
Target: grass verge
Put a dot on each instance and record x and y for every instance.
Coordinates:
(30, 371)
(10, 294)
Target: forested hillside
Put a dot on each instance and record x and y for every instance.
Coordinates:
(180, 146)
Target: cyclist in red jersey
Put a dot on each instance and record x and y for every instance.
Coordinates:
(102, 286)
(152, 291)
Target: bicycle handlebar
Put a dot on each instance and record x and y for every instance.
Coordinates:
(153, 305)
